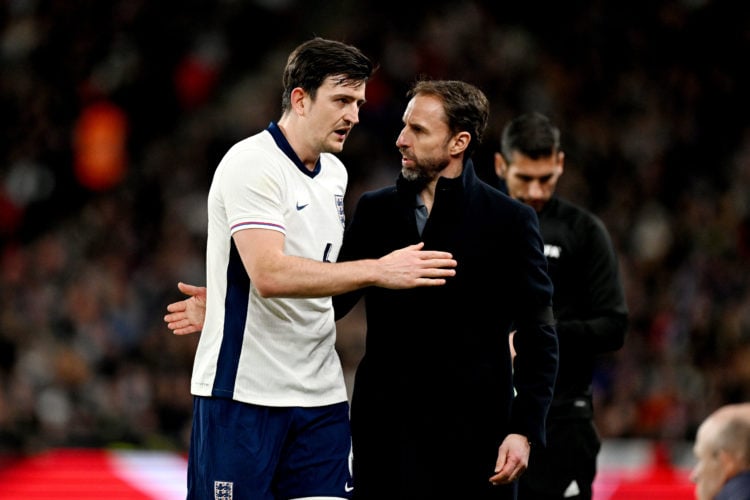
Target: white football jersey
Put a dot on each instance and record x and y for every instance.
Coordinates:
(270, 351)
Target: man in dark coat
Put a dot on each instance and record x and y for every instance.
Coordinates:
(434, 412)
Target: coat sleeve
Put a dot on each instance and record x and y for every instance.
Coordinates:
(353, 248)
(535, 340)
(602, 324)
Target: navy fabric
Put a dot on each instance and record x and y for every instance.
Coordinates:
(239, 466)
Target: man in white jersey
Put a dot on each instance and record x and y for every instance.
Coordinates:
(270, 409)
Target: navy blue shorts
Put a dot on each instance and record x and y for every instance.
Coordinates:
(240, 451)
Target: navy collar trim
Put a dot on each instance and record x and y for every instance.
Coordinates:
(283, 144)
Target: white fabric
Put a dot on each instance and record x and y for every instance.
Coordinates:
(288, 355)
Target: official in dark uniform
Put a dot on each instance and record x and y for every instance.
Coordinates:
(589, 303)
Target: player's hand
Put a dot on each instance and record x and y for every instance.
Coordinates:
(512, 459)
(187, 316)
(411, 266)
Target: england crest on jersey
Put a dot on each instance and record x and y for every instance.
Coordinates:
(340, 207)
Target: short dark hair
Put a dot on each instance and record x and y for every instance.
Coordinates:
(531, 134)
(466, 107)
(315, 60)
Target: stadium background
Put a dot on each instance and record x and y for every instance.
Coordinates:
(115, 113)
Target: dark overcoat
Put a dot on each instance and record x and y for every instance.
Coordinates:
(436, 392)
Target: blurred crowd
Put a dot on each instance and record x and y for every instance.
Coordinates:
(115, 113)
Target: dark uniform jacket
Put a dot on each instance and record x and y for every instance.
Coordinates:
(591, 319)
(433, 396)
(589, 300)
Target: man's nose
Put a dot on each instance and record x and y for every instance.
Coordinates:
(352, 114)
(535, 190)
(400, 140)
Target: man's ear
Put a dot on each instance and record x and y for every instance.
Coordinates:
(297, 100)
(500, 166)
(561, 161)
(460, 143)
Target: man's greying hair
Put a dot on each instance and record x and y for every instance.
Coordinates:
(466, 107)
(317, 59)
(532, 135)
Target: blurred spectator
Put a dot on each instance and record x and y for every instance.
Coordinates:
(722, 450)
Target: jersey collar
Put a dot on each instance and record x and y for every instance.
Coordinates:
(284, 145)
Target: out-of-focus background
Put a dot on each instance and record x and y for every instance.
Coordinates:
(113, 115)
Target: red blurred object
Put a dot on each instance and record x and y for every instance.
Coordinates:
(657, 483)
(642, 471)
(100, 146)
(70, 473)
(88, 474)
(195, 80)
(11, 216)
(654, 478)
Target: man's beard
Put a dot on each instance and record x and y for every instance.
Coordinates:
(425, 171)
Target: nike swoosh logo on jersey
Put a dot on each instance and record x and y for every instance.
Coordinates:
(348, 488)
(300, 207)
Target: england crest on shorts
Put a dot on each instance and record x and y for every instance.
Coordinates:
(223, 490)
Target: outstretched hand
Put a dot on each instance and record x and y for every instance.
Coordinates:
(187, 316)
(411, 267)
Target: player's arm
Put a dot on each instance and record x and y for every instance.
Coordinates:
(601, 322)
(275, 274)
(535, 338)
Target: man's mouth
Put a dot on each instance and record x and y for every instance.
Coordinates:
(342, 132)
